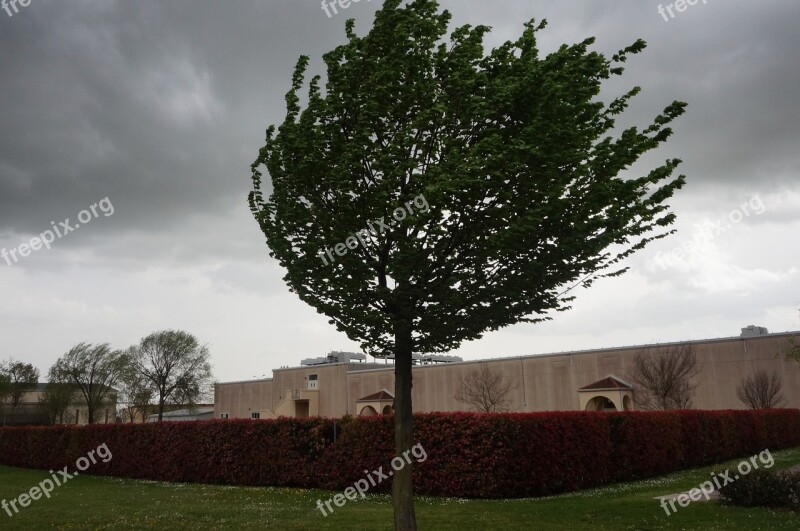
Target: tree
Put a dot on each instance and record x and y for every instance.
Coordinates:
(5, 391)
(663, 377)
(136, 394)
(22, 378)
(509, 162)
(761, 390)
(175, 366)
(484, 390)
(57, 396)
(94, 370)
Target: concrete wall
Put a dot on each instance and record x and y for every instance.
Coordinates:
(240, 399)
(540, 383)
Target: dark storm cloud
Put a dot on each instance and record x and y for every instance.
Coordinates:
(162, 105)
(159, 105)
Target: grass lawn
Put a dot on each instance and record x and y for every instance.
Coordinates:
(88, 502)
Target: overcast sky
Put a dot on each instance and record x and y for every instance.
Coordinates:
(161, 107)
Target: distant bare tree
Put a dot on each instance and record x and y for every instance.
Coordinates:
(5, 392)
(135, 396)
(94, 370)
(5, 387)
(175, 365)
(485, 390)
(761, 390)
(58, 395)
(663, 377)
(55, 400)
(22, 378)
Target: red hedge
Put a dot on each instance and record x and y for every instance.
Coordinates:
(469, 455)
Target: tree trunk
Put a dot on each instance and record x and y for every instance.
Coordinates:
(161, 407)
(402, 486)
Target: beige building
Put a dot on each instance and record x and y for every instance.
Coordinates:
(29, 411)
(582, 380)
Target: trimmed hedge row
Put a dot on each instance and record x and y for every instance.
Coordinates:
(468, 455)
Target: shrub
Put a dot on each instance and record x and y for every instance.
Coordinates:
(764, 488)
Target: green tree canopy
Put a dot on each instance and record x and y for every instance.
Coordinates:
(513, 156)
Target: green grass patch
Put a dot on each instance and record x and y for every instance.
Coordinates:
(89, 502)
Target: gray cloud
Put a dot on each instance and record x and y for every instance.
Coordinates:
(162, 106)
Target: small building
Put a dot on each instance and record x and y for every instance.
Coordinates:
(608, 394)
(381, 402)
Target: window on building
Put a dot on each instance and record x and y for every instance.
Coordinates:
(255, 415)
(223, 415)
(312, 381)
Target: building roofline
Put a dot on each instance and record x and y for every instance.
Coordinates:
(667, 344)
(598, 350)
(261, 380)
(624, 386)
(390, 366)
(336, 364)
(376, 397)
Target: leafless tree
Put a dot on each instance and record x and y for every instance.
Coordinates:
(176, 366)
(55, 400)
(664, 377)
(22, 378)
(94, 370)
(485, 390)
(761, 390)
(135, 396)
